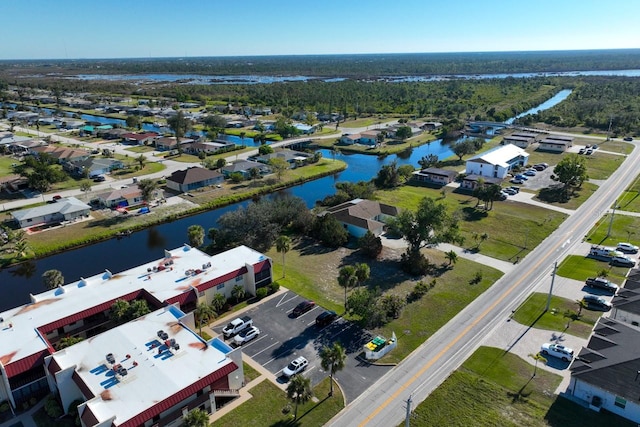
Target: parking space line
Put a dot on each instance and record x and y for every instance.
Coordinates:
(277, 357)
(282, 302)
(304, 314)
(265, 349)
(254, 341)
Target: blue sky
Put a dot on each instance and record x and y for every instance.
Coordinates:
(34, 29)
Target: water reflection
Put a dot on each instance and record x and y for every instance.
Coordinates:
(155, 239)
(26, 269)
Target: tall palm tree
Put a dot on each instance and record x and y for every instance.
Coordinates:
(283, 244)
(204, 313)
(581, 304)
(52, 279)
(332, 359)
(347, 278)
(299, 391)
(180, 125)
(538, 358)
(451, 257)
(362, 273)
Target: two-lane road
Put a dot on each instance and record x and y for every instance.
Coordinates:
(428, 366)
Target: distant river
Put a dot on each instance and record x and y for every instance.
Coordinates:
(264, 79)
(16, 283)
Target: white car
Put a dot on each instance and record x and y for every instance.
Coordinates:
(627, 247)
(557, 350)
(296, 366)
(246, 335)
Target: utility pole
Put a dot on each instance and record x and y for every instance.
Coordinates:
(408, 416)
(609, 130)
(613, 212)
(553, 278)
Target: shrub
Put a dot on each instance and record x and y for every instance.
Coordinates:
(261, 293)
(52, 406)
(274, 287)
(4, 407)
(477, 278)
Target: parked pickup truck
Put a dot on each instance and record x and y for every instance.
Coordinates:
(601, 283)
(237, 325)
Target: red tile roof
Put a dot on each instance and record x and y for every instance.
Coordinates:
(23, 365)
(183, 298)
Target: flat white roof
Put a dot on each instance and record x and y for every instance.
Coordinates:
(155, 372)
(19, 337)
(501, 154)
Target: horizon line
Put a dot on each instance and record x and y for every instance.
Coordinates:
(318, 54)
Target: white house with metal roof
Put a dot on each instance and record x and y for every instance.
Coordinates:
(68, 209)
(497, 162)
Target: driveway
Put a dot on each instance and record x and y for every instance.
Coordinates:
(284, 337)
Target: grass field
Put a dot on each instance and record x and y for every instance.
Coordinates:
(514, 229)
(531, 313)
(312, 271)
(630, 199)
(266, 406)
(580, 267)
(576, 198)
(602, 165)
(494, 388)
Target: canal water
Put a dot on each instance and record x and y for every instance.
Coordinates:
(16, 283)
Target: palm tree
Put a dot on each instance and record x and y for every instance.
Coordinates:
(332, 360)
(53, 278)
(581, 304)
(299, 391)
(362, 273)
(451, 257)
(283, 244)
(347, 278)
(195, 233)
(218, 302)
(204, 313)
(238, 292)
(180, 126)
(141, 159)
(538, 358)
(196, 418)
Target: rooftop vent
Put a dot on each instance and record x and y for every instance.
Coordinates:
(163, 335)
(111, 358)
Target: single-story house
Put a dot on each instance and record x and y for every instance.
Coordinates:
(305, 129)
(13, 183)
(369, 137)
(350, 139)
(8, 139)
(93, 166)
(497, 162)
(556, 143)
(518, 141)
(206, 147)
(289, 156)
(146, 138)
(604, 375)
(116, 133)
(431, 125)
(166, 143)
(61, 154)
(71, 124)
(435, 176)
(243, 167)
(129, 196)
(358, 216)
(67, 209)
(192, 178)
(626, 305)
(470, 182)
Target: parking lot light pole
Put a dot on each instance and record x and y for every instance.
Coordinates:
(553, 278)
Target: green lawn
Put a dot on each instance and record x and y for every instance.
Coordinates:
(266, 408)
(249, 373)
(529, 224)
(576, 198)
(494, 388)
(149, 167)
(579, 267)
(531, 313)
(602, 165)
(630, 199)
(140, 149)
(5, 165)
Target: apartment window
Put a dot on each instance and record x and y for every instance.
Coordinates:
(620, 402)
(238, 278)
(201, 293)
(220, 286)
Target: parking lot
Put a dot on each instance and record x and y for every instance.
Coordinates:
(284, 337)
